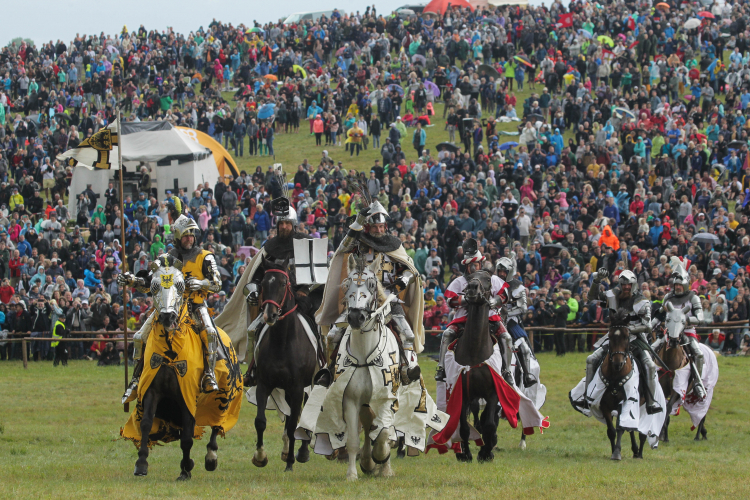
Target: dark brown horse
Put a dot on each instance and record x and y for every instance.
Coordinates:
(675, 357)
(285, 359)
(473, 349)
(616, 370)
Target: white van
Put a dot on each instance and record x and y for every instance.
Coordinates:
(298, 17)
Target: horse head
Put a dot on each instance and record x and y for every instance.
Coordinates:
(361, 290)
(276, 289)
(167, 289)
(478, 288)
(619, 347)
(676, 321)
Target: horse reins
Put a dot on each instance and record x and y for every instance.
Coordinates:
(287, 292)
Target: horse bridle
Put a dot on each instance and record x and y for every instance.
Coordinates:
(482, 292)
(287, 292)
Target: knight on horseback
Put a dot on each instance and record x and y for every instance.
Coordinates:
(202, 278)
(367, 236)
(277, 250)
(625, 296)
(455, 294)
(679, 296)
(512, 313)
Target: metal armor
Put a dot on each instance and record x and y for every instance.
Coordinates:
(513, 313)
(201, 278)
(695, 316)
(638, 322)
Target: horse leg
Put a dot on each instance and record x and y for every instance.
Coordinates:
(303, 455)
(633, 445)
(617, 453)
(366, 463)
(704, 432)
(698, 430)
(642, 438)
(351, 419)
(489, 429)
(522, 444)
(611, 432)
(295, 403)
(150, 402)
(284, 442)
(463, 426)
(212, 459)
(186, 443)
(260, 459)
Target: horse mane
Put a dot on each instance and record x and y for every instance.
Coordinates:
(380, 294)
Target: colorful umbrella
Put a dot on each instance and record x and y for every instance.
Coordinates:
(523, 61)
(300, 69)
(623, 112)
(585, 33)
(432, 88)
(706, 14)
(606, 39)
(254, 30)
(266, 111)
(507, 145)
(692, 23)
(396, 88)
(271, 78)
(662, 6)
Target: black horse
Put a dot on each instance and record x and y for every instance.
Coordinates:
(286, 359)
(473, 349)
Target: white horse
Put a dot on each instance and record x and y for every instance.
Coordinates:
(363, 295)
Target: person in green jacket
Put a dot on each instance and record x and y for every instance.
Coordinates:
(571, 338)
(420, 257)
(166, 102)
(156, 247)
(99, 214)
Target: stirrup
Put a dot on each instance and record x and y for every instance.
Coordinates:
(509, 378)
(699, 391)
(529, 380)
(440, 374)
(208, 383)
(653, 408)
(324, 377)
(248, 380)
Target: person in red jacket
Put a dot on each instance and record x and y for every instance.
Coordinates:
(6, 291)
(636, 206)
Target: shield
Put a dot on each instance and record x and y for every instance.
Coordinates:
(311, 261)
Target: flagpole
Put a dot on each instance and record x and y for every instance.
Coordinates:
(123, 257)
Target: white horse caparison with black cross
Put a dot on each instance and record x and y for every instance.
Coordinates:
(362, 295)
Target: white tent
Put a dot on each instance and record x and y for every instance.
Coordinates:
(174, 158)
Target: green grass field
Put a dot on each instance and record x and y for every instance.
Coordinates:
(59, 430)
(292, 148)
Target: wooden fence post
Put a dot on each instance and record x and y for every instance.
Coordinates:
(25, 354)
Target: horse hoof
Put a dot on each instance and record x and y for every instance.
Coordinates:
(365, 471)
(184, 476)
(522, 445)
(637, 456)
(482, 458)
(463, 457)
(284, 456)
(258, 463)
(352, 477)
(303, 455)
(289, 468)
(333, 456)
(616, 456)
(401, 453)
(140, 470)
(212, 464)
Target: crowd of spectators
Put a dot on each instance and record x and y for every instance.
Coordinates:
(656, 153)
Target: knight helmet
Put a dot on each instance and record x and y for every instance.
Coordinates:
(378, 214)
(284, 211)
(471, 252)
(680, 275)
(509, 265)
(184, 226)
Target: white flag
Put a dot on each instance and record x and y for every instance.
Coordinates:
(96, 152)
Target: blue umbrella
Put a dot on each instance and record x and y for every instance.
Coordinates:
(396, 88)
(266, 111)
(507, 145)
(585, 33)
